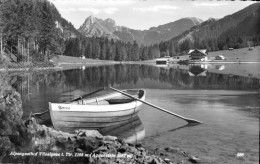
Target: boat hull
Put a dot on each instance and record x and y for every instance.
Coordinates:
(92, 116)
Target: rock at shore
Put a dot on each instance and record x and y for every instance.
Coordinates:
(13, 133)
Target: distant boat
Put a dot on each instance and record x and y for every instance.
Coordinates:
(94, 113)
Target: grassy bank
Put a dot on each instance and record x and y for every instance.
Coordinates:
(243, 55)
(66, 60)
(239, 55)
(24, 66)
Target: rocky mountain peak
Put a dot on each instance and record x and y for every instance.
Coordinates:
(98, 27)
(90, 20)
(110, 21)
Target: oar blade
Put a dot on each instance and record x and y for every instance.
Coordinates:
(191, 121)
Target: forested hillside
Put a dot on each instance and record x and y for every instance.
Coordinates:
(105, 49)
(247, 30)
(33, 30)
(238, 30)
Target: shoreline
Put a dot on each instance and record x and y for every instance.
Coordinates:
(28, 69)
(65, 66)
(217, 62)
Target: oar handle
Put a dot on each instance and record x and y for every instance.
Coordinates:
(190, 121)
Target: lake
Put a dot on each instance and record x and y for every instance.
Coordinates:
(224, 97)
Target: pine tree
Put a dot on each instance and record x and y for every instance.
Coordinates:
(103, 51)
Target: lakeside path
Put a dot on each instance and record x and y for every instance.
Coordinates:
(69, 60)
(29, 69)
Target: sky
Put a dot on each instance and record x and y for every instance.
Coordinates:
(143, 14)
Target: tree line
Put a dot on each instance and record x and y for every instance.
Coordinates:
(32, 29)
(105, 49)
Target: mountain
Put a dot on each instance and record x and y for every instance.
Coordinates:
(98, 27)
(34, 29)
(170, 30)
(215, 29)
(107, 28)
(240, 29)
(248, 27)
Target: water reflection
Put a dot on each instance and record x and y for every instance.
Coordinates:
(197, 70)
(83, 67)
(202, 69)
(37, 89)
(131, 130)
(220, 67)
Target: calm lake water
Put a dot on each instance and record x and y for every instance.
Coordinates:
(223, 97)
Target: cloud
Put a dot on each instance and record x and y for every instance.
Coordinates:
(110, 10)
(67, 10)
(94, 2)
(215, 4)
(155, 8)
(93, 10)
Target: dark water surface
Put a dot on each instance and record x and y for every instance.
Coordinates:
(226, 103)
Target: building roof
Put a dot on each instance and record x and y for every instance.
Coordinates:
(201, 51)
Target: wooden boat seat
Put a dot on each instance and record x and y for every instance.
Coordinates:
(102, 102)
(119, 101)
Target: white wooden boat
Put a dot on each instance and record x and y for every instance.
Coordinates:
(95, 113)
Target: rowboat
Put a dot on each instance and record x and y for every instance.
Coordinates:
(94, 113)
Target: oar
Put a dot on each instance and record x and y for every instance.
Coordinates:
(86, 95)
(190, 121)
(76, 99)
